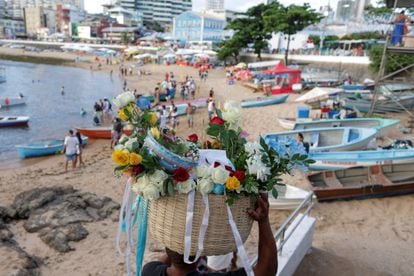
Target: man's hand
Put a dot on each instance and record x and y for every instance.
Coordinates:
(261, 213)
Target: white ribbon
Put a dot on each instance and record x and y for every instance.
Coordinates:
(126, 208)
(239, 243)
(189, 226)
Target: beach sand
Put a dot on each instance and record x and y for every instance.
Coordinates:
(367, 237)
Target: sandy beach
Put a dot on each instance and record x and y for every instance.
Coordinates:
(367, 237)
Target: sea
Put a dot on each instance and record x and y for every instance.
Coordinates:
(51, 113)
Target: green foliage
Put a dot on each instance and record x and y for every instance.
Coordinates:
(316, 39)
(379, 9)
(394, 61)
(363, 35)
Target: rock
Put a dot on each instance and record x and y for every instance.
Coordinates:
(103, 235)
(7, 213)
(57, 213)
(59, 237)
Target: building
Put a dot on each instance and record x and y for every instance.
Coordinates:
(120, 34)
(162, 11)
(34, 20)
(345, 10)
(124, 16)
(92, 26)
(214, 4)
(12, 27)
(197, 26)
(14, 8)
(67, 18)
(3, 8)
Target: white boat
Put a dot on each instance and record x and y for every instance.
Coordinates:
(11, 101)
(289, 197)
(329, 139)
(318, 93)
(9, 121)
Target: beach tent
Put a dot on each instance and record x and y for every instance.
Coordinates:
(106, 50)
(202, 55)
(185, 52)
(244, 75)
(168, 56)
(263, 64)
(282, 79)
(318, 93)
(142, 56)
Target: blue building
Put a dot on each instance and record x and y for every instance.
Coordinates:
(197, 26)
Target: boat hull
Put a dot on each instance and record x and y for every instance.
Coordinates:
(264, 101)
(100, 133)
(14, 121)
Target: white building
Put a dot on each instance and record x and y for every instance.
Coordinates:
(124, 16)
(161, 11)
(214, 4)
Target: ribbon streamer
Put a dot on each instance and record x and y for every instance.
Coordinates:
(141, 233)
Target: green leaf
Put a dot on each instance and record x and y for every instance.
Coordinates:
(275, 193)
(121, 168)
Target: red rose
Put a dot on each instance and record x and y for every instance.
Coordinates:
(181, 175)
(239, 175)
(193, 138)
(136, 170)
(207, 145)
(216, 164)
(217, 121)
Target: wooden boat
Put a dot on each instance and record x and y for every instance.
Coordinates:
(264, 101)
(99, 132)
(382, 125)
(289, 123)
(329, 139)
(11, 101)
(344, 160)
(289, 197)
(360, 183)
(381, 106)
(43, 148)
(8, 121)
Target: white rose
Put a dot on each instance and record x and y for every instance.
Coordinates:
(128, 144)
(205, 185)
(140, 185)
(186, 186)
(158, 178)
(219, 175)
(151, 192)
(232, 115)
(124, 99)
(203, 171)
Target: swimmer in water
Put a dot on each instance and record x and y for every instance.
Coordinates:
(63, 90)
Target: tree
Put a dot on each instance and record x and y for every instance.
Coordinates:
(394, 61)
(250, 29)
(231, 48)
(289, 20)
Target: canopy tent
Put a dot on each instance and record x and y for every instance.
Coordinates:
(169, 56)
(280, 69)
(145, 55)
(400, 3)
(318, 93)
(185, 52)
(106, 50)
(263, 64)
(244, 75)
(202, 55)
(77, 47)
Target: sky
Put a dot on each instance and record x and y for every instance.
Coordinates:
(94, 6)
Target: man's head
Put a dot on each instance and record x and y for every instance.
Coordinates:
(70, 132)
(177, 260)
(300, 137)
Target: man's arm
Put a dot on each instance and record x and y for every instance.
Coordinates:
(267, 259)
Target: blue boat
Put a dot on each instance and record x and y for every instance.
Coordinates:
(264, 101)
(329, 139)
(327, 161)
(43, 148)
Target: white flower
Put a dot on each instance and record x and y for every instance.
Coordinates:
(151, 192)
(203, 171)
(157, 178)
(128, 144)
(205, 185)
(140, 185)
(253, 148)
(219, 175)
(186, 186)
(124, 99)
(119, 147)
(232, 114)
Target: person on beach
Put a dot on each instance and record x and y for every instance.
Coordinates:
(211, 108)
(174, 118)
(70, 148)
(79, 150)
(107, 109)
(172, 263)
(400, 29)
(190, 115)
(98, 113)
(116, 132)
(301, 140)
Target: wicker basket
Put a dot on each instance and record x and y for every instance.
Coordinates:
(167, 218)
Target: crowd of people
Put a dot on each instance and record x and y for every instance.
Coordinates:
(103, 111)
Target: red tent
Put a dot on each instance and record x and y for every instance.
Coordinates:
(284, 78)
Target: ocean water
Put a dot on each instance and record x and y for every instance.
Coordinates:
(51, 113)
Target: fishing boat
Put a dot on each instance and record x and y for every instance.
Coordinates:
(289, 122)
(8, 121)
(43, 148)
(325, 161)
(381, 125)
(288, 198)
(381, 106)
(264, 101)
(99, 132)
(365, 182)
(11, 101)
(329, 139)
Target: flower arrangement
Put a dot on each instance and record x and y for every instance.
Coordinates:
(252, 168)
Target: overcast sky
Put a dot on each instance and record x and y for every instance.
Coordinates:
(94, 6)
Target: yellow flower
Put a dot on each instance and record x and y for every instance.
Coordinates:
(120, 157)
(232, 183)
(122, 115)
(215, 144)
(153, 119)
(155, 132)
(130, 107)
(135, 159)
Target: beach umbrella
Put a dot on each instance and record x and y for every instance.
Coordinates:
(318, 93)
(241, 65)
